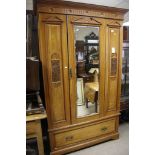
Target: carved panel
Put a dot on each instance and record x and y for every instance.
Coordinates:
(113, 66)
(56, 71)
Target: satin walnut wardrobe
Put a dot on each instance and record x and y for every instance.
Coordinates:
(80, 51)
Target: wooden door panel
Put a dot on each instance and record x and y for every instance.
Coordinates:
(113, 55)
(55, 68)
(53, 35)
(113, 69)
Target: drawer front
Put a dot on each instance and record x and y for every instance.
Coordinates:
(85, 133)
(30, 127)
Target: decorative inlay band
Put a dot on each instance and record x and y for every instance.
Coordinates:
(93, 13)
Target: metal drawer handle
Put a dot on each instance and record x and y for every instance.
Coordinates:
(68, 138)
(104, 129)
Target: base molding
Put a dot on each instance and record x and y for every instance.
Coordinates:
(86, 144)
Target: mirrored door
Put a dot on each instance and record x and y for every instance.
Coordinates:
(84, 53)
(86, 42)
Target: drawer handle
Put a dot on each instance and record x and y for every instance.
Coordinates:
(69, 138)
(104, 129)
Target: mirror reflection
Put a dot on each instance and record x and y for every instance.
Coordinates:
(87, 69)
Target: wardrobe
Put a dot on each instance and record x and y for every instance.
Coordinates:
(82, 107)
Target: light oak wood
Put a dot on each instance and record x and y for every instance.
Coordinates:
(30, 127)
(113, 34)
(76, 127)
(36, 117)
(67, 132)
(73, 8)
(83, 124)
(81, 134)
(34, 130)
(54, 48)
(85, 144)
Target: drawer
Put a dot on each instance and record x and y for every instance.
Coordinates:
(73, 136)
(30, 127)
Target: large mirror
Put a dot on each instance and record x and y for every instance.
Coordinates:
(87, 69)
